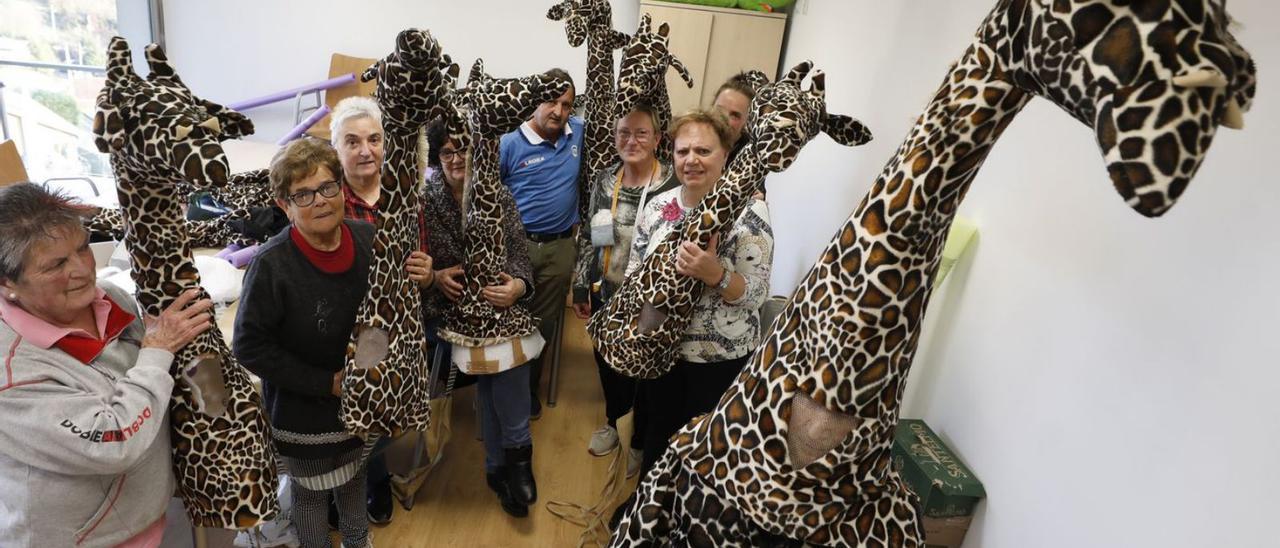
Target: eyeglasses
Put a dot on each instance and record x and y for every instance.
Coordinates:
(640, 136)
(451, 155)
(304, 198)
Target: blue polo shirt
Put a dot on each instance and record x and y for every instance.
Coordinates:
(543, 177)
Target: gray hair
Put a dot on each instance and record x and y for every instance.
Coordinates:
(29, 214)
(352, 108)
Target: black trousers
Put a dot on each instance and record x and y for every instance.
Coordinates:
(672, 400)
(619, 390)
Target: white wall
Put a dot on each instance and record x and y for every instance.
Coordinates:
(232, 50)
(1110, 378)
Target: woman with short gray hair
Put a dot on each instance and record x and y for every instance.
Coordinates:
(356, 133)
(84, 436)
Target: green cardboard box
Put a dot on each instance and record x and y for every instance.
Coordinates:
(947, 488)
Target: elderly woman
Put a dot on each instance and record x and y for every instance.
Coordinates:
(297, 310)
(503, 397)
(617, 194)
(355, 130)
(725, 324)
(84, 437)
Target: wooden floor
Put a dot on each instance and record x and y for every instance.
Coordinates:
(455, 508)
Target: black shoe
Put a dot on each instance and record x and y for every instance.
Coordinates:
(333, 514)
(520, 474)
(535, 409)
(498, 483)
(379, 504)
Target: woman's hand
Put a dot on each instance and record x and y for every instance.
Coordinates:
(179, 324)
(418, 265)
(448, 281)
(504, 294)
(700, 264)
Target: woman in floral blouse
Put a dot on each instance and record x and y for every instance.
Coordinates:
(725, 326)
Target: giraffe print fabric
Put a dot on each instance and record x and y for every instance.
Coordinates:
(799, 447)
(157, 132)
(637, 331)
(385, 381)
(488, 108)
(243, 191)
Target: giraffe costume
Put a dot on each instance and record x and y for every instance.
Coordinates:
(385, 381)
(798, 449)
(638, 330)
(488, 108)
(157, 132)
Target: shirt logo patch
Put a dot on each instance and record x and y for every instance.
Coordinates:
(574, 150)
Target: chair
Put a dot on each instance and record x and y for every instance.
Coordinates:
(11, 168)
(339, 65)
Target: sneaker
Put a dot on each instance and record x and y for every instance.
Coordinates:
(603, 441)
(635, 457)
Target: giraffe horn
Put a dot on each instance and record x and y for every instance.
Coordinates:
(159, 63)
(797, 74)
(645, 23)
(1233, 116)
(119, 60)
(1201, 78)
(818, 84)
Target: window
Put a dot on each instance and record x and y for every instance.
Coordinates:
(51, 69)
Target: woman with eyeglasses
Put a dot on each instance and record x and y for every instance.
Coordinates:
(617, 194)
(297, 309)
(503, 398)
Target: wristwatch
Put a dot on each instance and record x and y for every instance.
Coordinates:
(723, 284)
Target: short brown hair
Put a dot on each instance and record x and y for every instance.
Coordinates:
(739, 83)
(299, 160)
(710, 117)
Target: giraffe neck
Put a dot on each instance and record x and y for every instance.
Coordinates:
(486, 245)
(156, 237)
(599, 95)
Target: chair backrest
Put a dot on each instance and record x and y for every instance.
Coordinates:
(341, 64)
(11, 168)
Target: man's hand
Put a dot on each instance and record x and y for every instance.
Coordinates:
(449, 282)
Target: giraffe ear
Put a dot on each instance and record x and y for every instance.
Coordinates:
(477, 75)
(845, 130)
(682, 70)
(370, 74)
(231, 124)
(818, 85)
(559, 11)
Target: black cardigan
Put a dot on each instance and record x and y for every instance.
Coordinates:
(292, 330)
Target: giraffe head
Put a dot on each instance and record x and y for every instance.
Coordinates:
(644, 66)
(156, 126)
(1153, 79)
(784, 117)
(495, 106)
(588, 19)
(412, 81)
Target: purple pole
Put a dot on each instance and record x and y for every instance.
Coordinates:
(306, 124)
(290, 94)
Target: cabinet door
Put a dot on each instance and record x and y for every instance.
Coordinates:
(742, 42)
(689, 40)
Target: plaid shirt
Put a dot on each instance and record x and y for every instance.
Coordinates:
(360, 210)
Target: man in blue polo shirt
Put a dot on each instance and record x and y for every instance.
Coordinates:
(540, 165)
